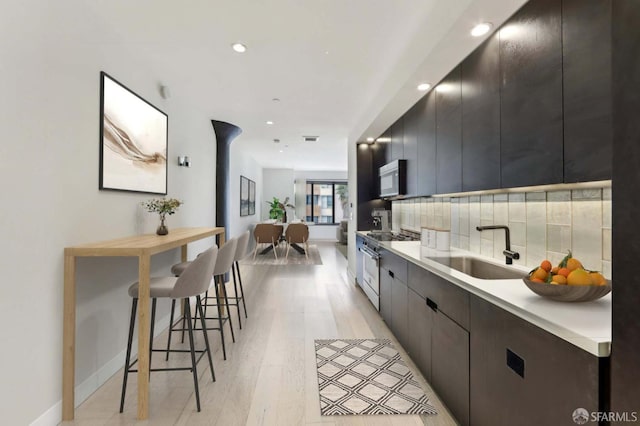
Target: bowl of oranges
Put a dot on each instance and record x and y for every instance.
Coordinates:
(569, 281)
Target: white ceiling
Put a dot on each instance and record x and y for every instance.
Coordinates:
(343, 70)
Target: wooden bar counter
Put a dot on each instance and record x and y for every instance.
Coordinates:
(142, 247)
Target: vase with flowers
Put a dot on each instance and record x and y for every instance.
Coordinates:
(164, 207)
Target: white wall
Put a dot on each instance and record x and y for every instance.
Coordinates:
(277, 183)
(243, 164)
(52, 54)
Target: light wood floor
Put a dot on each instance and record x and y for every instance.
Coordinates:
(269, 377)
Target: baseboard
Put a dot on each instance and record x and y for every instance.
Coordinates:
(53, 416)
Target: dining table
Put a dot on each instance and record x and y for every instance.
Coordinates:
(142, 247)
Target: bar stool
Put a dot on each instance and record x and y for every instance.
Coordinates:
(194, 281)
(226, 256)
(241, 251)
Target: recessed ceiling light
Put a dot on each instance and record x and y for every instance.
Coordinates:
(276, 141)
(281, 151)
(423, 87)
(370, 139)
(481, 29)
(269, 122)
(239, 47)
(276, 99)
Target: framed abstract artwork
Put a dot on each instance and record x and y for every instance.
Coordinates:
(252, 197)
(244, 196)
(133, 141)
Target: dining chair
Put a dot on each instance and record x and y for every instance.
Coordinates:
(264, 233)
(297, 233)
(194, 281)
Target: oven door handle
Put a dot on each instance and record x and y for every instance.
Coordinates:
(370, 253)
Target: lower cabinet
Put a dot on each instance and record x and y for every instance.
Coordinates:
(488, 366)
(386, 283)
(419, 343)
(450, 365)
(522, 375)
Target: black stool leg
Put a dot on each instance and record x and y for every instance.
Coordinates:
(183, 328)
(206, 338)
(132, 324)
(173, 310)
(187, 313)
(224, 350)
(241, 290)
(226, 302)
(153, 323)
(235, 289)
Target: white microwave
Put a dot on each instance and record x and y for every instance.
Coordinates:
(393, 179)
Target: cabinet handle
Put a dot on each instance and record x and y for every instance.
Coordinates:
(515, 363)
(433, 305)
(391, 274)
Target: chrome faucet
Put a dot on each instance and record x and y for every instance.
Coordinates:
(509, 254)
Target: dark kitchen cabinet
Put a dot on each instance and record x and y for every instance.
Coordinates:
(410, 149)
(393, 269)
(397, 140)
(386, 283)
(481, 117)
(449, 134)
(369, 157)
(439, 340)
(426, 141)
(586, 60)
(520, 374)
(531, 96)
(450, 365)
(421, 323)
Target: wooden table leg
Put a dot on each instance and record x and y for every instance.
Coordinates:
(144, 324)
(69, 339)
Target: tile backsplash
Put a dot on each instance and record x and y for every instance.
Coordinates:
(543, 225)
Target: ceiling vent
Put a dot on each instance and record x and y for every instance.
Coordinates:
(310, 138)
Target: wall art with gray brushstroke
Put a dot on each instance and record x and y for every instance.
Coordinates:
(133, 141)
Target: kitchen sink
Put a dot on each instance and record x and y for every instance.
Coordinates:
(478, 268)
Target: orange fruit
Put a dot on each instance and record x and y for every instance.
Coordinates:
(564, 271)
(560, 279)
(555, 270)
(597, 278)
(546, 265)
(540, 273)
(537, 280)
(579, 277)
(573, 264)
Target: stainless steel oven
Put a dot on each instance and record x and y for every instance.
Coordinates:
(371, 274)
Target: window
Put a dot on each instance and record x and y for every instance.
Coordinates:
(330, 202)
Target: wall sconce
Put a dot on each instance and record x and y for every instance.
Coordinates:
(184, 161)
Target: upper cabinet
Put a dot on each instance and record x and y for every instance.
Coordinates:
(481, 117)
(531, 96)
(449, 134)
(426, 109)
(395, 151)
(586, 59)
(532, 105)
(410, 147)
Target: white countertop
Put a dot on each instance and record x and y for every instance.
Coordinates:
(586, 325)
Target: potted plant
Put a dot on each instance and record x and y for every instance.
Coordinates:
(278, 210)
(163, 207)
